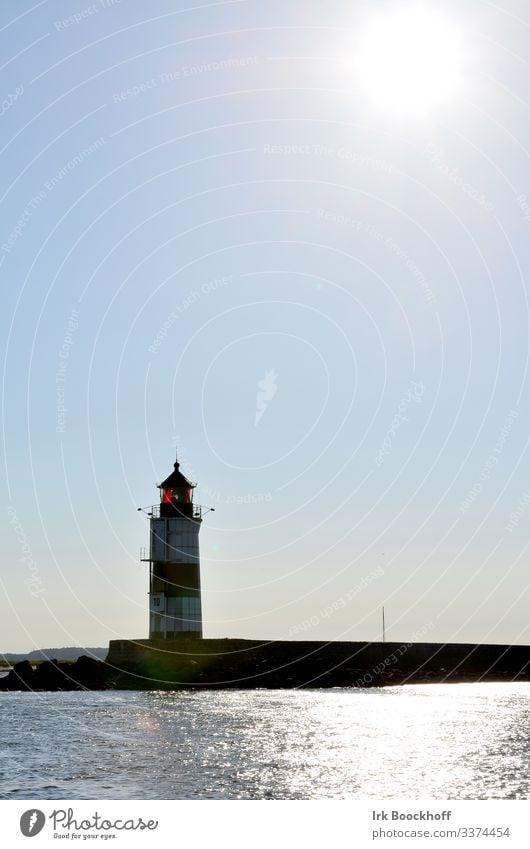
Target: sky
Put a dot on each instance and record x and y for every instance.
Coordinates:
(291, 239)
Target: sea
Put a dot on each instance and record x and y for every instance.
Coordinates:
(439, 741)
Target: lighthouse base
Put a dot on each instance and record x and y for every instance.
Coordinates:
(251, 664)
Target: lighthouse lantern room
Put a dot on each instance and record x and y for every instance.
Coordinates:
(174, 566)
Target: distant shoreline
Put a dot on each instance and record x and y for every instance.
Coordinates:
(63, 653)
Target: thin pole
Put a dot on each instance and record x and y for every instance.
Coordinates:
(384, 632)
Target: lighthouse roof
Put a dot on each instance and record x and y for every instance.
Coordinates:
(176, 479)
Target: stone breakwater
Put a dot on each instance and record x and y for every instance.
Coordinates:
(85, 674)
(251, 664)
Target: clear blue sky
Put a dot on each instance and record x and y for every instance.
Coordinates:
(196, 202)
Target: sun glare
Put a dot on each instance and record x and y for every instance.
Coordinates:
(409, 60)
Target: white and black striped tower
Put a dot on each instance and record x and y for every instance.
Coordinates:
(174, 565)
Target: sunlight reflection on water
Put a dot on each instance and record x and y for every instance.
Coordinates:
(454, 741)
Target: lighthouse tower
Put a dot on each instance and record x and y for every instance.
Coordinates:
(174, 567)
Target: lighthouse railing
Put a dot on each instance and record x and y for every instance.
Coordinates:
(154, 511)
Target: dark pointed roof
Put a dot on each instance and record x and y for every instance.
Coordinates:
(176, 479)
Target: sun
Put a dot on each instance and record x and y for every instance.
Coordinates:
(409, 61)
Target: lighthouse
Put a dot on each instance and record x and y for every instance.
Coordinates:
(173, 557)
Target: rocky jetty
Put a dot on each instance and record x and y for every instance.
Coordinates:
(250, 664)
(85, 674)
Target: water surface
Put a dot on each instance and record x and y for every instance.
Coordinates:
(459, 741)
